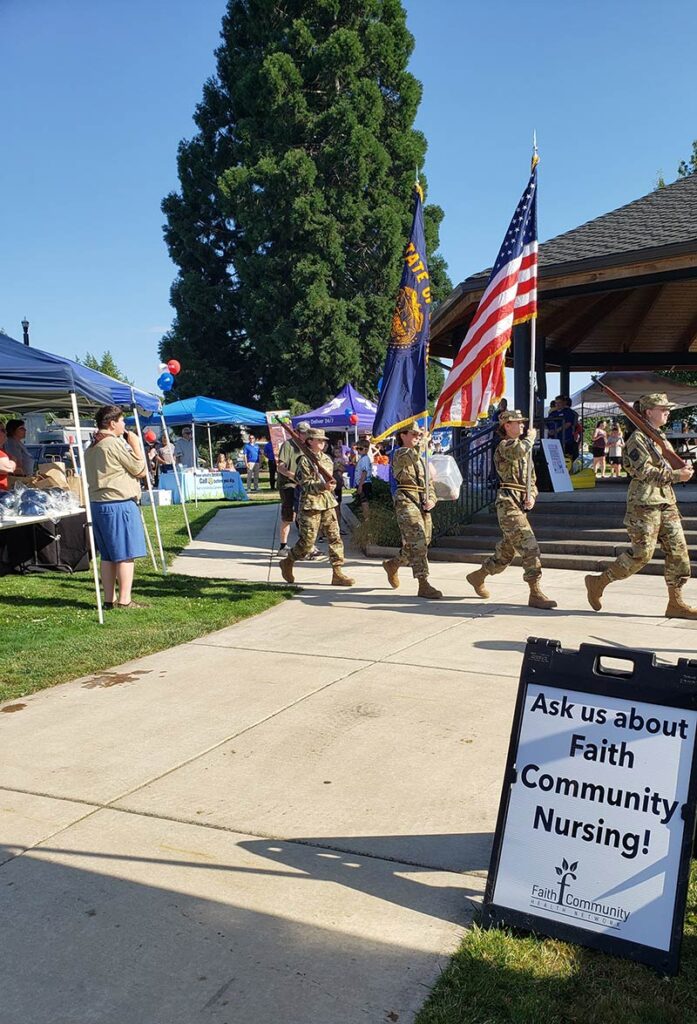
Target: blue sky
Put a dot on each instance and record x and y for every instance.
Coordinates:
(96, 97)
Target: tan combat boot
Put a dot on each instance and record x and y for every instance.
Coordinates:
(426, 590)
(537, 599)
(391, 567)
(476, 579)
(286, 567)
(339, 579)
(677, 609)
(595, 585)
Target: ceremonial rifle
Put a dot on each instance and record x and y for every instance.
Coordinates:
(642, 424)
(306, 450)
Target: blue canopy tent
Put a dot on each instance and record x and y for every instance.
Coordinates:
(336, 414)
(207, 412)
(34, 380)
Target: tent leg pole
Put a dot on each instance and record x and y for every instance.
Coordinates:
(147, 539)
(193, 443)
(210, 445)
(88, 508)
(180, 489)
(149, 486)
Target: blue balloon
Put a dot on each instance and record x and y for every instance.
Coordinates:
(165, 382)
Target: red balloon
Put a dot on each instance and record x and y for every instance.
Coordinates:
(174, 367)
(353, 419)
(150, 436)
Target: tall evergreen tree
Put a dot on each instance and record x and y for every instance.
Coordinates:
(106, 364)
(295, 202)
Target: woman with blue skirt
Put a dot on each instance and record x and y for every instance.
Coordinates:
(114, 464)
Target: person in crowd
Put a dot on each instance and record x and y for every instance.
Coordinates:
(16, 449)
(151, 459)
(363, 479)
(252, 454)
(382, 458)
(552, 420)
(652, 515)
(599, 448)
(615, 446)
(317, 508)
(413, 511)
(288, 455)
(7, 465)
(568, 426)
(230, 463)
(512, 461)
(501, 407)
(339, 459)
(270, 456)
(165, 450)
(185, 450)
(114, 466)
(221, 462)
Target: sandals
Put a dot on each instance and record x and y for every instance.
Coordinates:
(131, 605)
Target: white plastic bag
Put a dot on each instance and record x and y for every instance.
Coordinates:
(446, 477)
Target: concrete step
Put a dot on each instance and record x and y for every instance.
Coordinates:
(585, 563)
(617, 536)
(540, 521)
(580, 545)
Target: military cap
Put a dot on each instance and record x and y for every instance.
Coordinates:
(303, 427)
(654, 400)
(315, 435)
(512, 416)
(413, 426)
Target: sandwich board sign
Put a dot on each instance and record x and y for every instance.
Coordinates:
(594, 833)
(556, 464)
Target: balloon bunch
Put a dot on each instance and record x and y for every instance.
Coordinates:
(353, 419)
(165, 381)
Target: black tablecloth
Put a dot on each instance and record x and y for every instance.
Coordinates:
(61, 546)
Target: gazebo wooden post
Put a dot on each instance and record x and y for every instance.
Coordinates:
(521, 367)
(564, 379)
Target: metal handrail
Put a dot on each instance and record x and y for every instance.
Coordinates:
(474, 454)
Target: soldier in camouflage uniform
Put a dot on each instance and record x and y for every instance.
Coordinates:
(412, 510)
(652, 514)
(317, 509)
(511, 460)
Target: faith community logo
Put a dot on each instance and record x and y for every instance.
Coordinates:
(560, 899)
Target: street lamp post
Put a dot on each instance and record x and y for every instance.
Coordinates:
(25, 328)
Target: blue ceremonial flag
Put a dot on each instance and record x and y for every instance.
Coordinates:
(403, 395)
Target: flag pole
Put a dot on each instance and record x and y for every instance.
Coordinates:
(427, 434)
(533, 352)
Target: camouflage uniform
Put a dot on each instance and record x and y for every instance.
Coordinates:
(415, 526)
(511, 463)
(652, 514)
(317, 509)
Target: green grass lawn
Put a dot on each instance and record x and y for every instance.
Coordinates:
(497, 977)
(50, 631)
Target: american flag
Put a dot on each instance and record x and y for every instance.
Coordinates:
(477, 376)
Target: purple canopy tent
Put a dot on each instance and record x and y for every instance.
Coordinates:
(335, 414)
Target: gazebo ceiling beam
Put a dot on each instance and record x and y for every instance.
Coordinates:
(592, 318)
(689, 337)
(556, 318)
(623, 360)
(649, 300)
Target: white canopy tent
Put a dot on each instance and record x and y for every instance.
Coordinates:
(630, 384)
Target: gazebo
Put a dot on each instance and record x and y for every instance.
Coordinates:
(616, 293)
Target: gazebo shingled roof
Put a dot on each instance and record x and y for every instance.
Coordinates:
(617, 292)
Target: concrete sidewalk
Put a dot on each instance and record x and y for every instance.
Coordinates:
(289, 819)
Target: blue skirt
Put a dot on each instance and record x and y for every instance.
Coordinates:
(118, 530)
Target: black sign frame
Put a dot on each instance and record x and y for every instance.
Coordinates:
(545, 662)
